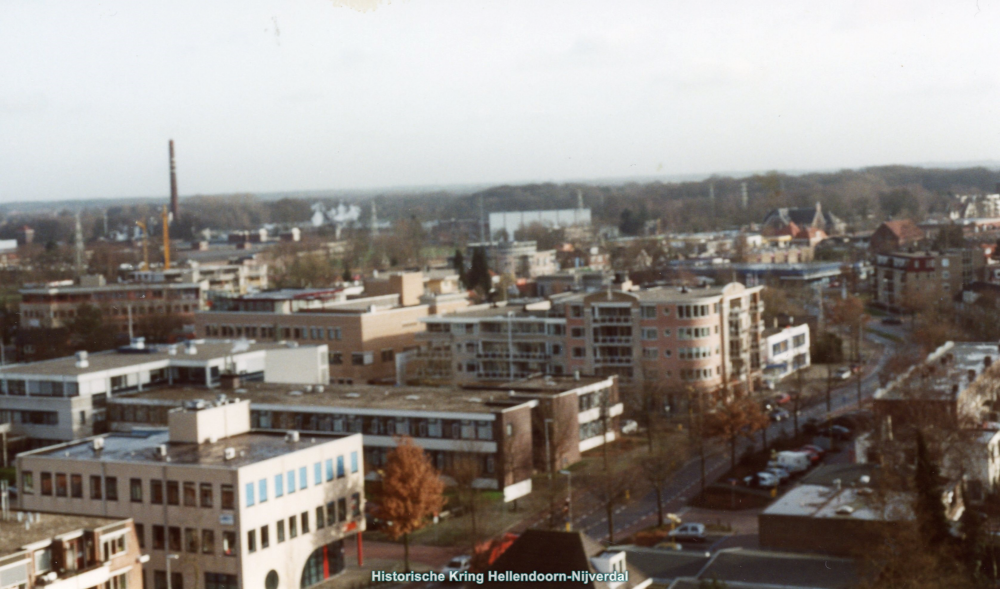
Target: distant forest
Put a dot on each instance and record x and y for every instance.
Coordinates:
(863, 198)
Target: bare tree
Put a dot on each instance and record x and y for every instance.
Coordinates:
(658, 467)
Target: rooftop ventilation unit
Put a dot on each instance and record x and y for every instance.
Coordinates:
(81, 359)
(319, 388)
(295, 393)
(172, 350)
(195, 405)
(412, 397)
(190, 349)
(161, 450)
(308, 389)
(229, 453)
(97, 444)
(353, 395)
(292, 437)
(292, 344)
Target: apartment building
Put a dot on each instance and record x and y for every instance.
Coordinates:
(786, 350)
(487, 343)
(681, 338)
(229, 507)
(64, 399)
(58, 551)
(678, 338)
(54, 305)
(904, 280)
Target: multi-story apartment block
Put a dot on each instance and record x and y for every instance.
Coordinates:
(677, 338)
(786, 349)
(905, 280)
(64, 399)
(54, 305)
(364, 335)
(69, 552)
(232, 508)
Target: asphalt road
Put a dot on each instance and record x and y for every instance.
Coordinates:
(641, 513)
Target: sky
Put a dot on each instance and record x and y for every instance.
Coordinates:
(264, 96)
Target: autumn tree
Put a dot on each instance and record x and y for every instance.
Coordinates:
(850, 313)
(733, 417)
(609, 487)
(159, 327)
(411, 492)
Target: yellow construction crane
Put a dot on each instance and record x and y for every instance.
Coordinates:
(145, 245)
(166, 238)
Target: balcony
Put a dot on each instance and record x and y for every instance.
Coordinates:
(613, 320)
(613, 340)
(498, 375)
(613, 360)
(517, 355)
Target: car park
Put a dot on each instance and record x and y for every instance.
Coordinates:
(692, 532)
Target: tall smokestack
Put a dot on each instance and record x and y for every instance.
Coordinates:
(174, 211)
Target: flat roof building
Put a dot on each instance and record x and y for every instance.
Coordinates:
(58, 551)
(64, 399)
(237, 508)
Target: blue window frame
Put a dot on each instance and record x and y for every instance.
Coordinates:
(329, 469)
(317, 473)
(303, 478)
(354, 462)
(340, 466)
(279, 485)
(291, 482)
(249, 494)
(262, 490)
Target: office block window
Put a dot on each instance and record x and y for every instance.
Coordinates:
(159, 538)
(76, 486)
(190, 494)
(191, 540)
(329, 469)
(279, 485)
(265, 538)
(208, 542)
(293, 527)
(280, 531)
(135, 490)
(249, 494)
(291, 481)
(111, 488)
(303, 483)
(318, 473)
(340, 467)
(156, 492)
(319, 517)
(206, 494)
(62, 485)
(229, 543)
(173, 493)
(174, 538)
(252, 541)
(305, 522)
(228, 497)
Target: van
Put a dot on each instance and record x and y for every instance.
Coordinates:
(794, 462)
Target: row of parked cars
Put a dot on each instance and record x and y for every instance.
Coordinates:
(785, 465)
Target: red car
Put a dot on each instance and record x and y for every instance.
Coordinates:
(814, 456)
(782, 398)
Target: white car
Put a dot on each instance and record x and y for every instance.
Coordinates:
(842, 373)
(762, 479)
(779, 472)
(459, 564)
(688, 533)
(629, 426)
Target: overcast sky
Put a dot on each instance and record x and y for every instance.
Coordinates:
(314, 94)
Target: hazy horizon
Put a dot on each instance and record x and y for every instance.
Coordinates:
(269, 97)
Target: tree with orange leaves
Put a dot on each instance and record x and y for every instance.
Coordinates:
(411, 492)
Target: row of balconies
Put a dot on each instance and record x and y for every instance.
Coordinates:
(517, 355)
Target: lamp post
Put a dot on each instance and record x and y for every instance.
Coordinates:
(569, 499)
(510, 343)
(169, 558)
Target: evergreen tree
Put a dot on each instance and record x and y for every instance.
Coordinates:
(459, 264)
(479, 272)
(928, 507)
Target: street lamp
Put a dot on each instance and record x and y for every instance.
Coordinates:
(169, 558)
(569, 499)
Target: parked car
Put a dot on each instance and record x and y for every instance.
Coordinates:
(459, 564)
(688, 533)
(892, 321)
(629, 426)
(814, 456)
(762, 479)
(842, 373)
(782, 398)
(839, 432)
(780, 415)
(779, 472)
